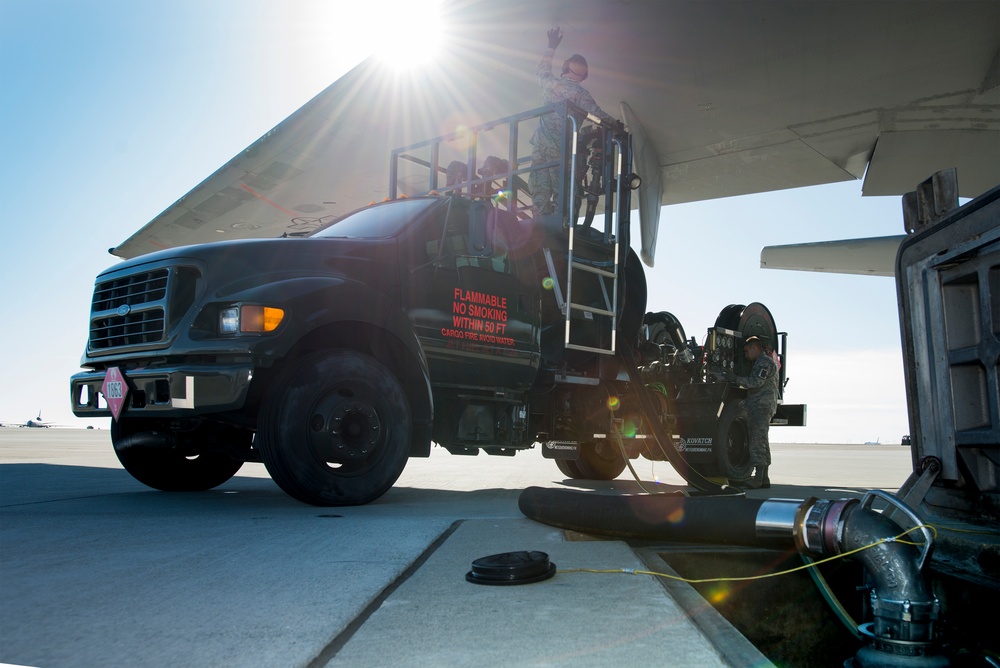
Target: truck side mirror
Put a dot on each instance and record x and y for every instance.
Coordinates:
(480, 229)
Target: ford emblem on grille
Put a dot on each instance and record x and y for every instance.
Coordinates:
(124, 309)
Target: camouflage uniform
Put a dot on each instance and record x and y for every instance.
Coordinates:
(547, 140)
(761, 403)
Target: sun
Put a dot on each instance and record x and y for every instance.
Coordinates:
(409, 33)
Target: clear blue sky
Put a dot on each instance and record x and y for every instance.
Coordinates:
(113, 109)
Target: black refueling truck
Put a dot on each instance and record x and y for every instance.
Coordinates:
(451, 313)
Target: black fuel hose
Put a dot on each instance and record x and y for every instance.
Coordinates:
(726, 520)
(663, 439)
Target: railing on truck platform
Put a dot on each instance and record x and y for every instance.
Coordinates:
(494, 160)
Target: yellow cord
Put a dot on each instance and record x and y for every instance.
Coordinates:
(979, 532)
(636, 571)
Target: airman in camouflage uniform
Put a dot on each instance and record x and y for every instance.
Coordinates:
(761, 403)
(547, 140)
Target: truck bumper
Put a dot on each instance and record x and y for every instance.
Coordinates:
(790, 415)
(166, 391)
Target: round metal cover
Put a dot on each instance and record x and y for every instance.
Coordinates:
(511, 568)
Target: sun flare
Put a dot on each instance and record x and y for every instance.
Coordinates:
(410, 33)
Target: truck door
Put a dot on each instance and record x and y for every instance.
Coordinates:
(471, 301)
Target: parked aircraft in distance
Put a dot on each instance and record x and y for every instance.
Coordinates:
(38, 422)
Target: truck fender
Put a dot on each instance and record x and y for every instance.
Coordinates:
(341, 313)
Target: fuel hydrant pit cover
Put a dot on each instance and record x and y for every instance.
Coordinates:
(511, 568)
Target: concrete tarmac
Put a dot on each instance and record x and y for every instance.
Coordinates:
(98, 570)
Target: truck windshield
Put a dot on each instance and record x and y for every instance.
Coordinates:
(378, 221)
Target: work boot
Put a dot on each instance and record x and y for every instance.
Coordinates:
(766, 482)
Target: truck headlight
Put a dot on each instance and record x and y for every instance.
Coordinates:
(249, 318)
(229, 320)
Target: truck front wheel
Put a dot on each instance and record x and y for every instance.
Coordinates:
(732, 442)
(335, 429)
(161, 459)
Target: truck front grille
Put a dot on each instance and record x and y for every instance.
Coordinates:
(142, 288)
(129, 310)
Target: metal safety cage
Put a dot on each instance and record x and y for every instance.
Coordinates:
(491, 160)
(494, 160)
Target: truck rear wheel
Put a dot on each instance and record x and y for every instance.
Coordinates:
(335, 429)
(150, 453)
(600, 461)
(569, 468)
(732, 442)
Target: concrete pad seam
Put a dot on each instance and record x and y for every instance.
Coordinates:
(50, 501)
(329, 652)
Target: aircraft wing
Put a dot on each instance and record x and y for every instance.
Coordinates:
(734, 98)
(869, 257)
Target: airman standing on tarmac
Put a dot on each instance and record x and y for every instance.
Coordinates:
(761, 403)
(547, 140)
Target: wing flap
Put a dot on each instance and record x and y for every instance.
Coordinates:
(912, 156)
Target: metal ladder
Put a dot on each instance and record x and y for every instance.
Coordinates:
(606, 277)
(608, 280)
